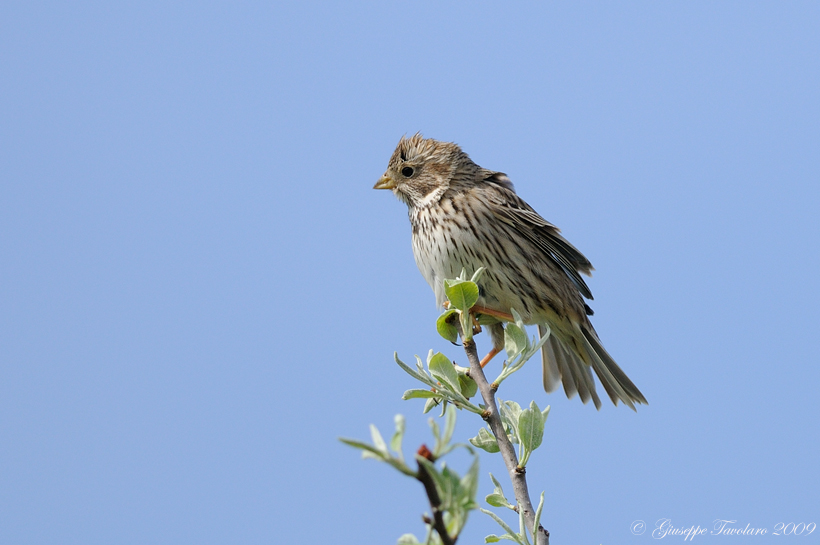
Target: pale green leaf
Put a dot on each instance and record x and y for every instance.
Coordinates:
(477, 275)
(442, 370)
(364, 447)
(485, 441)
(461, 294)
(510, 412)
(395, 441)
(445, 327)
(511, 535)
(531, 427)
(449, 425)
(450, 484)
(467, 385)
(443, 482)
(469, 483)
(537, 521)
(515, 341)
(495, 482)
(378, 440)
(497, 500)
(419, 394)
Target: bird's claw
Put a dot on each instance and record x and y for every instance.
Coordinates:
(476, 325)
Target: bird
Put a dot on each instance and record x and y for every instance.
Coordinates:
(464, 217)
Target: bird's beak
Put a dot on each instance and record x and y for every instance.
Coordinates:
(385, 182)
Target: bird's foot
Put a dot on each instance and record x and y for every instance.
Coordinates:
(476, 325)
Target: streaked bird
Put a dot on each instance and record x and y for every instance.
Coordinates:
(465, 217)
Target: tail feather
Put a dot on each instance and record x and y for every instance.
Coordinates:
(568, 375)
(565, 366)
(572, 363)
(611, 385)
(585, 380)
(552, 374)
(618, 374)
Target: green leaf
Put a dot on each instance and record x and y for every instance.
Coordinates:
(515, 341)
(517, 318)
(492, 538)
(477, 274)
(485, 441)
(537, 521)
(374, 453)
(419, 394)
(461, 294)
(431, 404)
(445, 326)
(434, 428)
(378, 440)
(510, 412)
(531, 426)
(530, 431)
(395, 441)
(419, 365)
(495, 482)
(467, 385)
(442, 370)
(408, 539)
(469, 483)
(497, 500)
(450, 485)
(449, 425)
(511, 535)
(417, 374)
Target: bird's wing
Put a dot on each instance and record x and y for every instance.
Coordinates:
(508, 207)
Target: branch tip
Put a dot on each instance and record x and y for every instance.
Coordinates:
(424, 452)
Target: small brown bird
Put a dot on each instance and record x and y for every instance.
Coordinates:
(466, 217)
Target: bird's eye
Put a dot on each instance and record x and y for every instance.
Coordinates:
(407, 172)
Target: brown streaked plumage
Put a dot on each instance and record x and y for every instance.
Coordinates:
(464, 216)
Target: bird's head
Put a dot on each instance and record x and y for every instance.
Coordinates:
(422, 169)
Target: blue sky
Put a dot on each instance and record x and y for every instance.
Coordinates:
(201, 291)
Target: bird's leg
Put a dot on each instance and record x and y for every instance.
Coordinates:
(494, 313)
(489, 356)
(496, 331)
(499, 342)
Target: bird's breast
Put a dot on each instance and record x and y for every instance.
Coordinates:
(462, 233)
(448, 238)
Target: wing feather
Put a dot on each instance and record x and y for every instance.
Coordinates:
(512, 210)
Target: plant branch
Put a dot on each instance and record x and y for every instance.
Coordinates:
(435, 502)
(493, 418)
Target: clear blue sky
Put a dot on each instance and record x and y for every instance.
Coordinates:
(200, 290)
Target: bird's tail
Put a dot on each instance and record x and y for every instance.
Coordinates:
(569, 363)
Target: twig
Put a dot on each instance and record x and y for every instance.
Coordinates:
(435, 502)
(493, 418)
